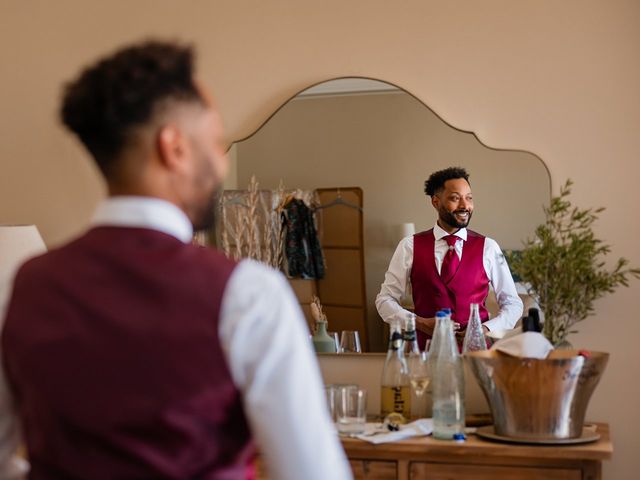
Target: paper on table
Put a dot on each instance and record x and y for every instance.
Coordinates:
(419, 428)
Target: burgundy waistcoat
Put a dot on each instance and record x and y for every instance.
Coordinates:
(469, 284)
(111, 347)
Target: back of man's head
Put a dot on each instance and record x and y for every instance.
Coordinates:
(124, 92)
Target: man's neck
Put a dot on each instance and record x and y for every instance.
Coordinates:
(447, 228)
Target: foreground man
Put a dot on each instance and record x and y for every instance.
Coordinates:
(132, 353)
(449, 266)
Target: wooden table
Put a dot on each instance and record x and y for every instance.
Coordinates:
(428, 458)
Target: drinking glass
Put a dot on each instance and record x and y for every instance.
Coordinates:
(330, 391)
(351, 410)
(418, 372)
(350, 342)
(336, 339)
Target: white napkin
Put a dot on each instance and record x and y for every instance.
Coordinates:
(419, 428)
(526, 345)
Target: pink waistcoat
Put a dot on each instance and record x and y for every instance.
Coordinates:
(469, 284)
(111, 347)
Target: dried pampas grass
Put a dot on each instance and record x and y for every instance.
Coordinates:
(251, 225)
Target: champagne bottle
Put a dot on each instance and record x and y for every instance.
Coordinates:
(395, 392)
(410, 337)
(448, 383)
(534, 315)
(474, 337)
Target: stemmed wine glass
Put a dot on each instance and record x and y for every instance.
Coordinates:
(336, 340)
(419, 372)
(350, 342)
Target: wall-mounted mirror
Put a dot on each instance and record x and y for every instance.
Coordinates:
(376, 136)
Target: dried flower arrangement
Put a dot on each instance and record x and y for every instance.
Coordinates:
(316, 310)
(252, 227)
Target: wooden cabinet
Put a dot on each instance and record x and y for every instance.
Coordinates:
(429, 459)
(476, 459)
(374, 470)
(342, 291)
(447, 471)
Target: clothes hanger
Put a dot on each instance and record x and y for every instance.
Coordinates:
(234, 201)
(339, 201)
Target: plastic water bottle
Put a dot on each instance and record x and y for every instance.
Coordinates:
(448, 383)
(434, 348)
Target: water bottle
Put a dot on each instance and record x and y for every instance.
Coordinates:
(434, 348)
(448, 383)
(474, 337)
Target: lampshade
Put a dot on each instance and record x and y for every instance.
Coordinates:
(407, 229)
(18, 243)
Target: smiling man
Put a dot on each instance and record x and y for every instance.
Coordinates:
(449, 266)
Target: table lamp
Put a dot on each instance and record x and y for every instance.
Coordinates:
(18, 243)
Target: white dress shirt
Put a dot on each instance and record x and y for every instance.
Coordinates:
(266, 343)
(398, 278)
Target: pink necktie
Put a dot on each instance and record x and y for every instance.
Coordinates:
(450, 261)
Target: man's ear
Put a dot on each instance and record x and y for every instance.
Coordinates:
(173, 148)
(435, 201)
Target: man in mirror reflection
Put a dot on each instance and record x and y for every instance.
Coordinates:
(130, 352)
(449, 266)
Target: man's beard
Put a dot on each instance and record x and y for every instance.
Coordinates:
(450, 219)
(206, 217)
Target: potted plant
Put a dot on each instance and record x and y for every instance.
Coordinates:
(564, 266)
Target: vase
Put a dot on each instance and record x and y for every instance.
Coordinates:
(322, 342)
(538, 399)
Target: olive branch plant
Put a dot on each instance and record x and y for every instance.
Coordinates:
(564, 267)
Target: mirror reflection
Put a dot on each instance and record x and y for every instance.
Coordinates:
(367, 141)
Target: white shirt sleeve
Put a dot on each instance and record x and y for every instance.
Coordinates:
(502, 282)
(266, 342)
(395, 285)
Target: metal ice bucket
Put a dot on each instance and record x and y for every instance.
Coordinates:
(533, 399)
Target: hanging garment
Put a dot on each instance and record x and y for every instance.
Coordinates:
(302, 245)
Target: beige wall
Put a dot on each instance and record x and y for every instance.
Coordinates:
(559, 79)
(388, 144)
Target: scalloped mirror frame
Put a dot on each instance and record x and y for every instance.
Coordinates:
(516, 183)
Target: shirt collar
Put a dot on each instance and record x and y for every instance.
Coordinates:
(144, 212)
(439, 233)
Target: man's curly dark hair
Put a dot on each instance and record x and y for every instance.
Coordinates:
(124, 91)
(435, 182)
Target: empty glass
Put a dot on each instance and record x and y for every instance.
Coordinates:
(330, 390)
(336, 339)
(350, 342)
(351, 410)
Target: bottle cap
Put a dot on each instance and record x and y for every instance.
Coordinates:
(459, 437)
(441, 313)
